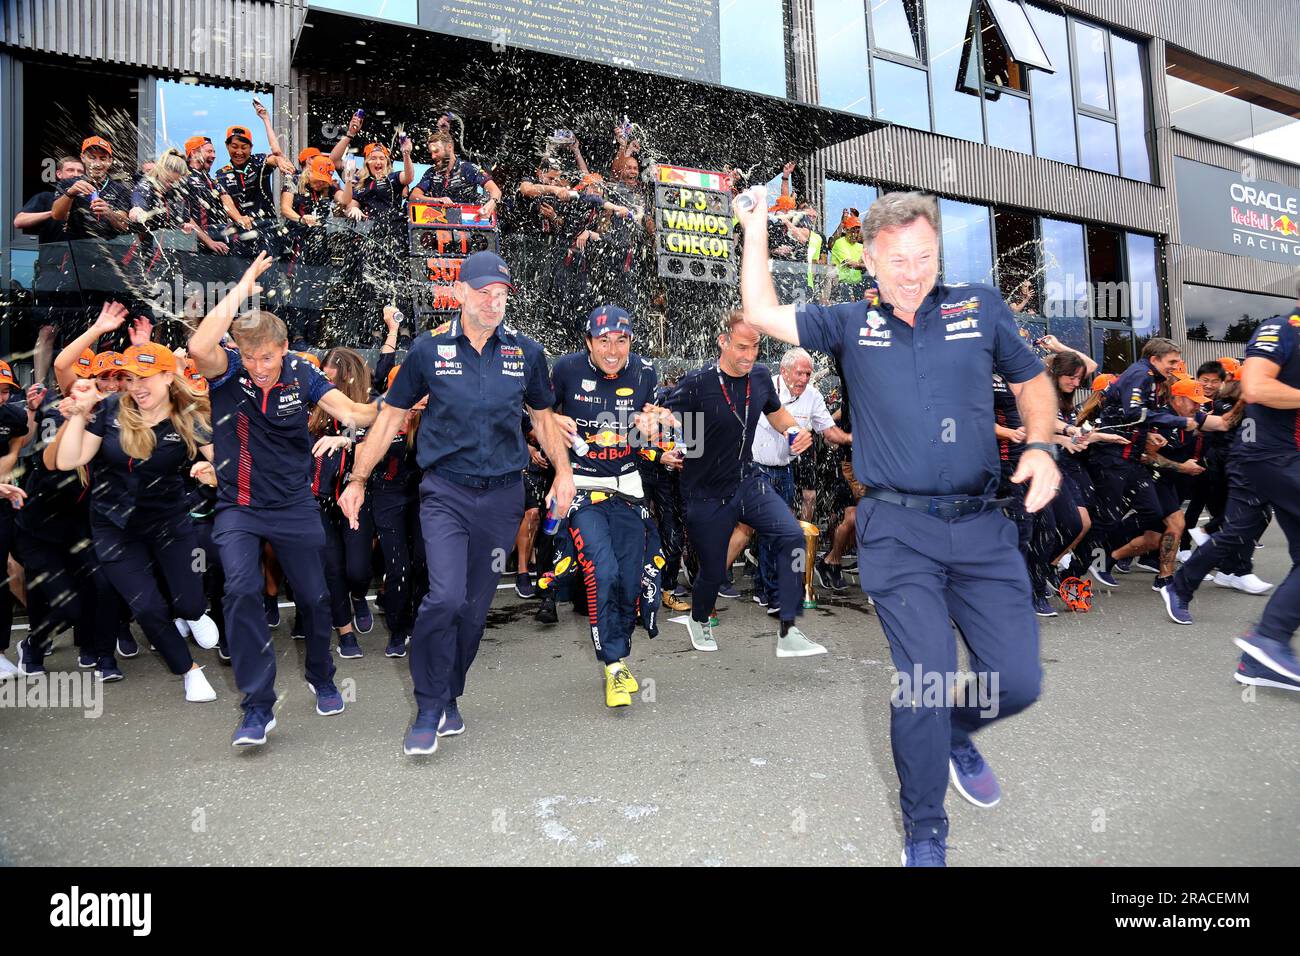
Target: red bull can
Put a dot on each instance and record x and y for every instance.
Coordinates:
(791, 434)
(552, 522)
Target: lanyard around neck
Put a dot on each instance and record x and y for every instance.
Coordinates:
(743, 419)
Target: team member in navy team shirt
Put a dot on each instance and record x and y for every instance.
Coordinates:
(608, 392)
(141, 442)
(723, 486)
(247, 191)
(933, 545)
(1270, 458)
(260, 405)
(478, 374)
(453, 180)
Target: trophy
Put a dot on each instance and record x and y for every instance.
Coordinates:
(810, 536)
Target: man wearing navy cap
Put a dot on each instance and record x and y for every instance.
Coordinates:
(607, 392)
(933, 545)
(723, 486)
(478, 374)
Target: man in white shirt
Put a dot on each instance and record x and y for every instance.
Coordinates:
(772, 453)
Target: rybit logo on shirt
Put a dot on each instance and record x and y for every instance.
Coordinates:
(962, 325)
(447, 351)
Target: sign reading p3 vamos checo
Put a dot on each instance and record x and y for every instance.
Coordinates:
(694, 231)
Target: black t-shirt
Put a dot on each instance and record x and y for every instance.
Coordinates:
(203, 195)
(13, 419)
(250, 186)
(82, 222)
(460, 185)
(144, 492)
(312, 243)
(57, 506)
(51, 230)
(163, 210)
(381, 200)
(717, 446)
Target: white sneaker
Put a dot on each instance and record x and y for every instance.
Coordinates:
(197, 688)
(8, 668)
(183, 626)
(1251, 584)
(204, 631)
(1199, 536)
(701, 635)
(1184, 556)
(794, 644)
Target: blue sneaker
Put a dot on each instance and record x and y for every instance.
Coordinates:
(1143, 563)
(348, 646)
(422, 738)
(524, 586)
(272, 605)
(451, 724)
(1125, 566)
(1251, 671)
(106, 669)
(362, 620)
(396, 645)
(1178, 610)
(252, 730)
(1042, 608)
(728, 589)
(1104, 578)
(299, 630)
(127, 646)
(973, 777)
(1274, 655)
(328, 699)
(30, 659)
(933, 852)
(86, 660)
(761, 599)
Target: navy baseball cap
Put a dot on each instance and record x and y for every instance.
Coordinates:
(483, 269)
(608, 318)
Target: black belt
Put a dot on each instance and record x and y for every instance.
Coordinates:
(477, 481)
(948, 509)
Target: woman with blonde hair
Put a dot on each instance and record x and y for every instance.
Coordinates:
(347, 553)
(142, 440)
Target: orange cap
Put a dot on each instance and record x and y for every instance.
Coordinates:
(783, 204)
(392, 376)
(106, 362)
(320, 168)
(240, 131)
(591, 179)
(7, 374)
(308, 357)
(190, 372)
(149, 359)
(307, 154)
(1189, 388)
(1230, 365)
(85, 366)
(851, 222)
(371, 147)
(1101, 381)
(194, 144)
(90, 142)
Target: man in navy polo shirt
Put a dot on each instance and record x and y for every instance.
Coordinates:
(608, 392)
(1269, 444)
(933, 545)
(260, 406)
(719, 407)
(247, 193)
(478, 374)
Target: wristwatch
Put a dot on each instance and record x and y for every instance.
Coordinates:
(1050, 447)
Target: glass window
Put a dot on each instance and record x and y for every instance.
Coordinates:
(1108, 292)
(1143, 283)
(1065, 286)
(402, 11)
(1018, 248)
(842, 196)
(193, 109)
(967, 244)
(1018, 33)
(1097, 149)
(752, 35)
(1090, 60)
(1227, 119)
(1131, 109)
(901, 95)
(950, 31)
(1226, 315)
(1008, 119)
(896, 26)
(1053, 95)
(843, 82)
(1112, 348)
(1273, 133)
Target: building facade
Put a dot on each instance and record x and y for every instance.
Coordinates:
(1137, 163)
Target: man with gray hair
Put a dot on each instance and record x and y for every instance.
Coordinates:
(777, 461)
(934, 547)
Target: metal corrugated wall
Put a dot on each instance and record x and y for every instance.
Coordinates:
(241, 40)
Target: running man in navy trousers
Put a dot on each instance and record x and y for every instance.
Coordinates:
(260, 406)
(478, 374)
